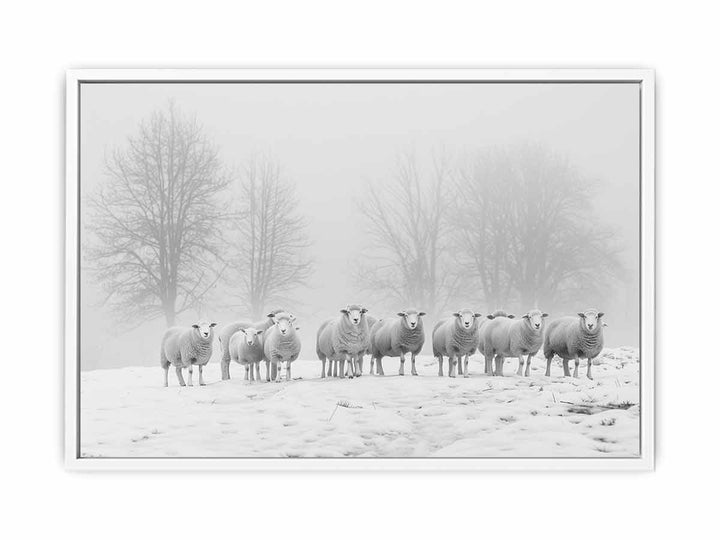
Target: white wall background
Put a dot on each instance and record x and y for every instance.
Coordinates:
(40, 41)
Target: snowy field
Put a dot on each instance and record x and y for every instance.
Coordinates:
(127, 413)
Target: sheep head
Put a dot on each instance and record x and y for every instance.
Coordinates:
(466, 317)
(534, 318)
(204, 329)
(251, 334)
(411, 317)
(284, 322)
(354, 313)
(590, 320)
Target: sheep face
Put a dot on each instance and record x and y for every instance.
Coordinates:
(466, 317)
(354, 313)
(284, 323)
(204, 330)
(590, 320)
(411, 317)
(534, 318)
(251, 335)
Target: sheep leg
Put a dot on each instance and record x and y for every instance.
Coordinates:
(267, 370)
(589, 373)
(201, 381)
(190, 372)
(178, 372)
(247, 372)
(322, 373)
(401, 371)
(341, 368)
(275, 370)
(566, 369)
(577, 368)
(225, 368)
(451, 365)
(165, 375)
(488, 365)
(549, 361)
(413, 371)
(372, 364)
(440, 362)
(527, 365)
(360, 361)
(380, 370)
(499, 365)
(460, 364)
(257, 371)
(335, 368)
(465, 367)
(521, 363)
(251, 372)
(288, 375)
(330, 368)
(347, 361)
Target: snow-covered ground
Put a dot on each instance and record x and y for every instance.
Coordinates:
(127, 413)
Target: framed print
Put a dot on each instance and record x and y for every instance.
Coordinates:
(360, 269)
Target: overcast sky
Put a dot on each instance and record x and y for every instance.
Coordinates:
(331, 139)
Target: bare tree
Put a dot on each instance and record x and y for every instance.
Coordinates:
(272, 238)
(407, 261)
(155, 226)
(531, 236)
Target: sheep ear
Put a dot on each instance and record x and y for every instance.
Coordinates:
(345, 311)
(422, 314)
(258, 332)
(195, 326)
(545, 315)
(600, 314)
(400, 313)
(213, 324)
(526, 316)
(582, 315)
(292, 318)
(478, 314)
(270, 315)
(511, 316)
(363, 310)
(491, 316)
(456, 314)
(297, 328)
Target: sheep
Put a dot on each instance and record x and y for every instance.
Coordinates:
(481, 337)
(227, 332)
(397, 337)
(572, 338)
(184, 347)
(455, 337)
(371, 322)
(246, 348)
(281, 343)
(507, 337)
(344, 338)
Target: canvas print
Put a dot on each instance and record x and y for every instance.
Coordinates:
(367, 269)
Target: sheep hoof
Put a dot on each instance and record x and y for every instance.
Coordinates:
(202, 384)
(466, 376)
(182, 384)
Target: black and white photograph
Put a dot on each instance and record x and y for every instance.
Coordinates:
(361, 267)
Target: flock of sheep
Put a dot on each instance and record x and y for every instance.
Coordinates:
(344, 341)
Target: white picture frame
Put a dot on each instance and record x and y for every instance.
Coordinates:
(643, 77)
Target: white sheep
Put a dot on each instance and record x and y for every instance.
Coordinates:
(281, 343)
(184, 347)
(246, 348)
(397, 337)
(505, 337)
(481, 336)
(344, 339)
(456, 337)
(573, 338)
(228, 331)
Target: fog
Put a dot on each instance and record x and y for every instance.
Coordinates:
(334, 140)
